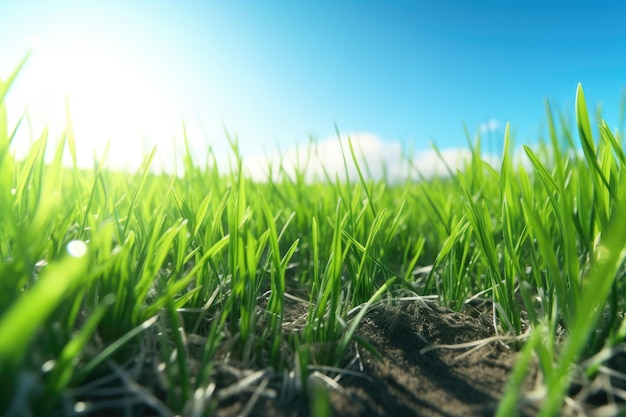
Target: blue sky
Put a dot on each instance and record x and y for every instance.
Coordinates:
(274, 72)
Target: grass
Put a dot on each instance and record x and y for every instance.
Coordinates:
(104, 272)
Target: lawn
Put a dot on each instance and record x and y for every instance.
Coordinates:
(496, 289)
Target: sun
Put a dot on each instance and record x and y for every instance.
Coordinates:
(115, 96)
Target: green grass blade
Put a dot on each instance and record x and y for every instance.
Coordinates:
(586, 137)
(607, 260)
(63, 368)
(108, 351)
(6, 85)
(33, 308)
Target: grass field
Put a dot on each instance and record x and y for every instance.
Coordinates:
(104, 272)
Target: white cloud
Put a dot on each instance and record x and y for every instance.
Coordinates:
(325, 157)
(490, 125)
(372, 152)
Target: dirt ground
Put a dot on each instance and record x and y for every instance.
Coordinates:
(400, 374)
(405, 382)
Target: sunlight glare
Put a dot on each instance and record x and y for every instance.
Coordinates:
(76, 248)
(113, 95)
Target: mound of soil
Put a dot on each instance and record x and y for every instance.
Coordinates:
(405, 381)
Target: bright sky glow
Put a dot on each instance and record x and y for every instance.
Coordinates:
(396, 75)
(112, 97)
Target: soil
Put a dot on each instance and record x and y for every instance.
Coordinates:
(398, 368)
(404, 381)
